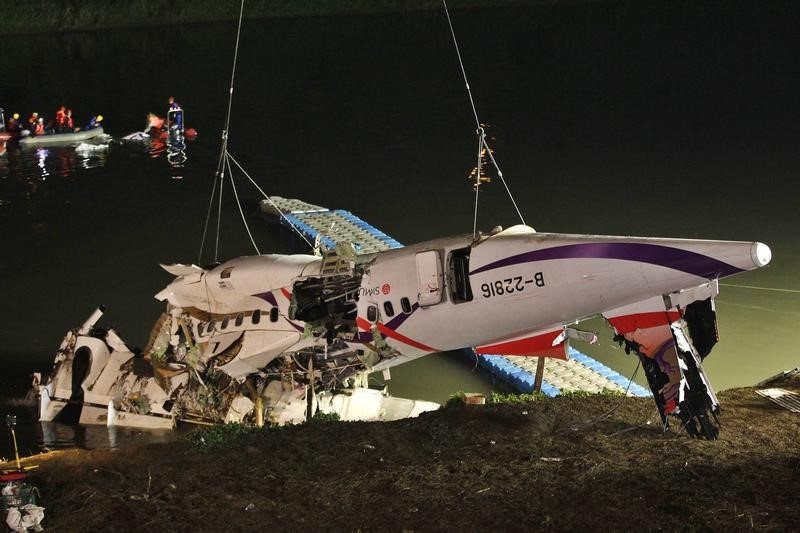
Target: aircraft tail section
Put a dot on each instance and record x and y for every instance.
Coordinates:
(671, 335)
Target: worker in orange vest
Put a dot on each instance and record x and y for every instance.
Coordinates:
(69, 125)
(60, 115)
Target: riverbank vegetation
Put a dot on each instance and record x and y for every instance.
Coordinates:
(68, 15)
(579, 463)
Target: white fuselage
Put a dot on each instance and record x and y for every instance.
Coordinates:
(453, 292)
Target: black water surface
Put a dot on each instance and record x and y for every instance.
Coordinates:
(647, 118)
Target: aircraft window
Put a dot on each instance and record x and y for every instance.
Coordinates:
(210, 328)
(224, 324)
(273, 314)
(256, 316)
(389, 308)
(239, 319)
(460, 289)
(372, 313)
(405, 303)
(225, 274)
(200, 327)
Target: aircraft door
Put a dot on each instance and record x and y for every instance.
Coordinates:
(429, 277)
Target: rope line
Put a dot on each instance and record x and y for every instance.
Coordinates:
(268, 199)
(224, 163)
(233, 76)
(480, 132)
(753, 287)
(239, 205)
(461, 64)
(603, 416)
(219, 217)
(477, 185)
(500, 175)
(208, 218)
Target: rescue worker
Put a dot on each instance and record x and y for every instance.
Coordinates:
(32, 120)
(94, 122)
(60, 114)
(13, 124)
(69, 125)
(39, 127)
(155, 124)
(175, 114)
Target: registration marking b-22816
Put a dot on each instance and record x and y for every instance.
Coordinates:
(510, 285)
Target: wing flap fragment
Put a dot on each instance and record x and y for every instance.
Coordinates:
(671, 335)
(547, 343)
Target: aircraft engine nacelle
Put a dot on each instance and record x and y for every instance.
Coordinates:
(236, 285)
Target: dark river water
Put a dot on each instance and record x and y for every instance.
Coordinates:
(638, 118)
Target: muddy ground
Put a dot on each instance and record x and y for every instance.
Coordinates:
(591, 463)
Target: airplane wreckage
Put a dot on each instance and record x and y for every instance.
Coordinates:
(277, 338)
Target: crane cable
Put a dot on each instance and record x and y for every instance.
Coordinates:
(269, 200)
(224, 163)
(481, 132)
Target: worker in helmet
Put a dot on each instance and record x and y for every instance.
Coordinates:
(13, 126)
(94, 122)
(39, 129)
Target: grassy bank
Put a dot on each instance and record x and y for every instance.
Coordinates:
(568, 464)
(68, 15)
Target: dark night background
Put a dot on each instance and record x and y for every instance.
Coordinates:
(647, 118)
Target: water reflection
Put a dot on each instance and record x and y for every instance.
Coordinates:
(25, 165)
(35, 437)
(154, 145)
(91, 437)
(176, 154)
(42, 163)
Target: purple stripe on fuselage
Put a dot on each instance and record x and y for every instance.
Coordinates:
(393, 324)
(295, 326)
(654, 254)
(269, 297)
(397, 321)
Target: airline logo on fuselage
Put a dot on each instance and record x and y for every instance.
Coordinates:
(384, 289)
(369, 291)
